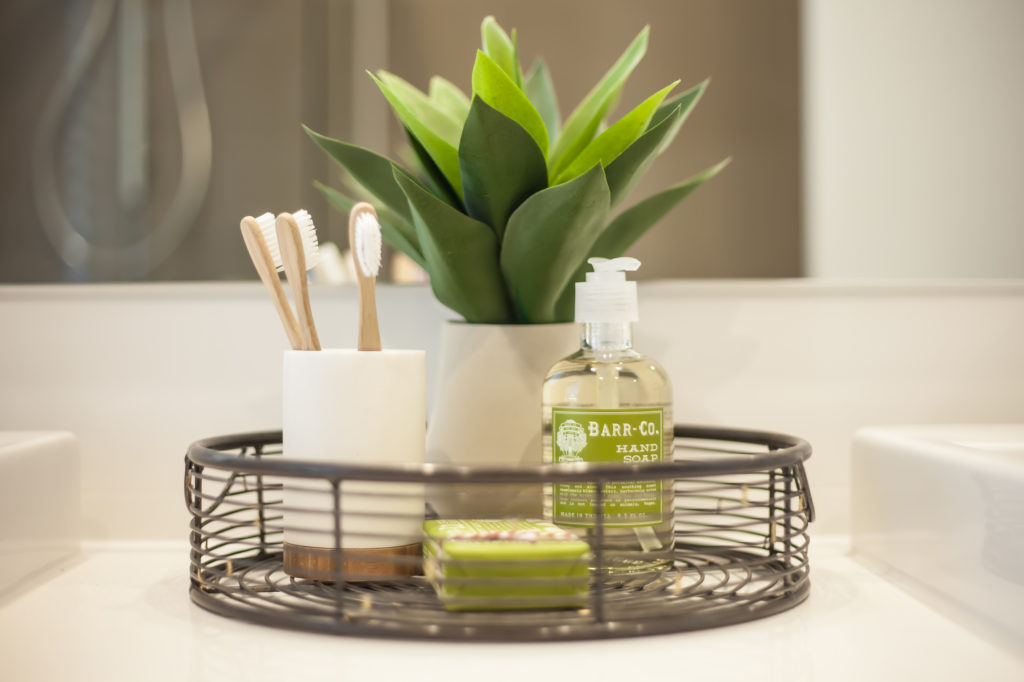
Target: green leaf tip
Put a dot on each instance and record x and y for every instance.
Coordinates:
(501, 165)
(371, 170)
(502, 49)
(493, 86)
(581, 126)
(607, 146)
(437, 132)
(541, 91)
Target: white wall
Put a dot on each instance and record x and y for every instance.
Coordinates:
(140, 371)
(913, 138)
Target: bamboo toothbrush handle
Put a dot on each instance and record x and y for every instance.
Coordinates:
(289, 240)
(259, 253)
(369, 330)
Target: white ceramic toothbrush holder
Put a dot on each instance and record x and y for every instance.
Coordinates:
(354, 407)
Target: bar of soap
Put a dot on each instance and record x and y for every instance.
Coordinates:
(488, 565)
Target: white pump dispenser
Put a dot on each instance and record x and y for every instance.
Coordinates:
(607, 296)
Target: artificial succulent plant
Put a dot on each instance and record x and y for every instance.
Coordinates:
(508, 201)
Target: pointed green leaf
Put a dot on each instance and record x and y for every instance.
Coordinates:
(545, 238)
(541, 91)
(447, 97)
(461, 256)
(370, 170)
(494, 86)
(445, 126)
(394, 233)
(625, 171)
(584, 121)
(501, 165)
(434, 177)
(499, 47)
(416, 113)
(622, 232)
(607, 146)
(685, 101)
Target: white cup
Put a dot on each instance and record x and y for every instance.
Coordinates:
(354, 407)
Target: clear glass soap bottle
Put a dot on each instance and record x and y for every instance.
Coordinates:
(608, 403)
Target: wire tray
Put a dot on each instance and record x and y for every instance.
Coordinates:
(741, 514)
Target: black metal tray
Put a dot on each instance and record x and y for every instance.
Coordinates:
(742, 509)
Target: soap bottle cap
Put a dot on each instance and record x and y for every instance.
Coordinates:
(607, 296)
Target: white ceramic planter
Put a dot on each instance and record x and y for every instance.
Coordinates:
(487, 411)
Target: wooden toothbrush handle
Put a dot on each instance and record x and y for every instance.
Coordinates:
(369, 330)
(289, 240)
(259, 253)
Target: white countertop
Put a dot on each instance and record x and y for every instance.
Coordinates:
(123, 612)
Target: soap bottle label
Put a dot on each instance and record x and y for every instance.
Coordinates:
(622, 436)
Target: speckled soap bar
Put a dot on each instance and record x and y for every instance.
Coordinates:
(505, 564)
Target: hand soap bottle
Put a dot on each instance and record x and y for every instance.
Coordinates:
(607, 403)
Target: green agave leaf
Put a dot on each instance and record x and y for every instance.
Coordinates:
(626, 170)
(540, 89)
(501, 165)
(625, 229)
(583, 123)
(416, 113)
(442, 124)
(461, 255)
(402, 238)
(544, 239)
(502, 49)
(447, 97)
(515, 54)
(434, 177)
(685, 101)
(612, 142)
(495, 87)
(371, 170)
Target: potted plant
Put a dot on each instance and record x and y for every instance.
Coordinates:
(503, 208)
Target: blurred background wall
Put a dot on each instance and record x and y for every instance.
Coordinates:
(869, 138)
(913, 138)
(268, 66)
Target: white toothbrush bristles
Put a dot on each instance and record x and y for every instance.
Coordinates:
(367, 245)
(266, 223)
(310, 246)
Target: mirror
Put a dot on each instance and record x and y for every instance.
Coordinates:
(139, 133)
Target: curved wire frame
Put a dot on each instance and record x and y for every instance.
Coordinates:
(742, 508)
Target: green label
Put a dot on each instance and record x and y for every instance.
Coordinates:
(608, 436)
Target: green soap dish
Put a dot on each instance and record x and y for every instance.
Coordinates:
(495, 565)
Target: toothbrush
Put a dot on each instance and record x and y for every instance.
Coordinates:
(296, 239)
(365, 241)
(261, 242)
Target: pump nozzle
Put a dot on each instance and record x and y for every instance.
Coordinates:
(621, 264)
